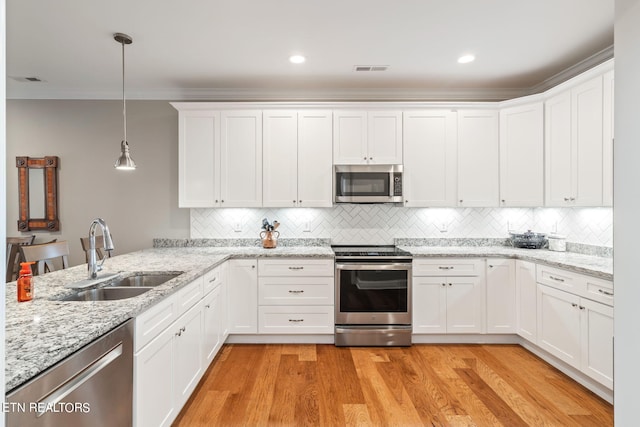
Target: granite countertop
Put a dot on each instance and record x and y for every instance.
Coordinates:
(601, 267)
(41, 332)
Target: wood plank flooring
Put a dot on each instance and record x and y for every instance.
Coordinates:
(423, 385)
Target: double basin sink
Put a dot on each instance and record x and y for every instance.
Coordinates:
(122, 287)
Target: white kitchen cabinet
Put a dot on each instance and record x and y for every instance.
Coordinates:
(367, 137)
(521, 155)
(526, 301)
(430, 157)
(451, 303)
(501, 296)
(198, 159)
(608, 137)
(220, 158)
(478, 159)
(242, 278)
(597, 341)
(296, 296)
(167, 370)
(297, 160)
(574, 146)
(212, 325)
(241, 158)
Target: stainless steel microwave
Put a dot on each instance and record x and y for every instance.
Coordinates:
(368, 183)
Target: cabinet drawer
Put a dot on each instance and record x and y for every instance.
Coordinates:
(295, 291)
(295, 267)
(447, 267)
(153, 321)
(599, 290)
(190, 295)
(296, 319)
(559, 279)
(211, 280)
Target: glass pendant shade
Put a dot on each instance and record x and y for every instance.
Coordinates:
(125, 162)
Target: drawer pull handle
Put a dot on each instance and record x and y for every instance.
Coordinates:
(296, 320)
(212, 280)
(557, 279)
(581, 307)
(605, 292)
(574, 304)
(296, 292)
(445, 268)
(296, 268)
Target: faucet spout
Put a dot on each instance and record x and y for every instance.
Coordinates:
(93, 265)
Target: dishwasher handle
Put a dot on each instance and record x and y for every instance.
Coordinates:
(80, 378)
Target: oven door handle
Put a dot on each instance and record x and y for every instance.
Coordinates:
(375, 266)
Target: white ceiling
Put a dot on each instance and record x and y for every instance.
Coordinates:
(239, 49)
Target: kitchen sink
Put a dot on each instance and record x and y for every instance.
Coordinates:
(144, 279)
(122, 287)
(107, 294)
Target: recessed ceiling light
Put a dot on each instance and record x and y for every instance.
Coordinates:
(297, 59)
(465, 59)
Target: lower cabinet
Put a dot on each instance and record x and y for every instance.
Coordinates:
(501, 296)
(578, 331)
(526, 301)
(243, 296)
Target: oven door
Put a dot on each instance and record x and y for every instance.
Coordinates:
(373, 293)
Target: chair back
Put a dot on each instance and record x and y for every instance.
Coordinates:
(14, 257)
(100, 252)
(46, 256)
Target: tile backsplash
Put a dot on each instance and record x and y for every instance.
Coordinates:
(380, 224)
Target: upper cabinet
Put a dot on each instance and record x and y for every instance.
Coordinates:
(297, 167)
(574, 146)
(367, 137)
(608, 137)
(478, 177)
(430, 147)
(521, 155)
(220, 159)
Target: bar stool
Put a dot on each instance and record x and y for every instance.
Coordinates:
(46, 255)
(13, 255)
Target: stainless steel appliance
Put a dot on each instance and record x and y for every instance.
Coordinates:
(373, 296)
(368, 183)
(92, 387)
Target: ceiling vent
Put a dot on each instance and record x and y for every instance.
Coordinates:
(370, 68)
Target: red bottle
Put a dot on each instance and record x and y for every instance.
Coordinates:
(25, 292)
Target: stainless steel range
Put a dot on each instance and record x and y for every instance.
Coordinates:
(373, 296)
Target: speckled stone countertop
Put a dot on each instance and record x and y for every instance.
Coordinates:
(41, 332)
(587, 264)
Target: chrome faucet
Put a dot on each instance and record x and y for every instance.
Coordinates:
(93, 265)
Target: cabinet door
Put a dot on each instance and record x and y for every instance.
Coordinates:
(526, 300)
(559, 324)
(586, 134)
(521, 156)
(557, 140)
(349, 137)
(464, 305)
(199, 159)
(430, 148)
(478, 160)
(241, 158)
(429, 305)
(384, 137)
(154, 389)
(597, 341)
(501, 296)
(211, 332)
(607, 138)
(242, 290)
(188, 353)
(224, 302)
(315, 154)
(280, 160)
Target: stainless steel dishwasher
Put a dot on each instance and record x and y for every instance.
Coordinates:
(92, 387)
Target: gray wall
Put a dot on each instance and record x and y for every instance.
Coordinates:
(138, 205)
(626, 212)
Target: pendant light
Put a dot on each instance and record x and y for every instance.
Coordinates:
(124, 162)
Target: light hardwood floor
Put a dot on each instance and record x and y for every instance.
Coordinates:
(423, 385)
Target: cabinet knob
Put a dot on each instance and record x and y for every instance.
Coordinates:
(370, 158)
(444, 284)
(207, 306)
(461, 200)
(294, 202)
(299, 201)
(566, 199)
(503, 201)
(581, 307)
(365, 158)
(221, 201)
(216, 200)
(490, 266)
(574, 304)
(450, 284)
(253, 266)
(572, 198)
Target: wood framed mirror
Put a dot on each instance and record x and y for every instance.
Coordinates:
(38, 188)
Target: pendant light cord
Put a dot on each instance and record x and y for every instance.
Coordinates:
(124, 101)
